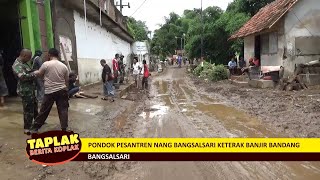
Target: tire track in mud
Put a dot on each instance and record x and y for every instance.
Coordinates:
(193, 114)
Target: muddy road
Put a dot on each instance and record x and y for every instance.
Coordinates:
(177, 107)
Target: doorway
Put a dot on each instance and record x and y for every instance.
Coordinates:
(257, 47)
(10, 40)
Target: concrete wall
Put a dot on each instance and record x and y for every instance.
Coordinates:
(64, 26)
(302, 21)
(249, 48)
(93, 44)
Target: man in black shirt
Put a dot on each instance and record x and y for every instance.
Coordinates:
(107, 80)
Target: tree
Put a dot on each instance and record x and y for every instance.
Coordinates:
(217, 27)
(164, 41)
(137, 29)
(250, 7)
(232, 22)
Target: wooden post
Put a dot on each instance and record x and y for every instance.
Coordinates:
(65, 57)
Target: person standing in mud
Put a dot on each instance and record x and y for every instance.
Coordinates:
(179, 60)
(121, 69)
(56, 82)
(136, 70)
(26, 88)
(37, 63)
(115, 67)
(107, 79)
(146, 75)
(3, 85)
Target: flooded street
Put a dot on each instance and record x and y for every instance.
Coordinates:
(176, 108)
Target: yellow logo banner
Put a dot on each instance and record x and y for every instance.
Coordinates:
(200, 145)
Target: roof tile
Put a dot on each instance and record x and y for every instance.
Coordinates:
(265, 18)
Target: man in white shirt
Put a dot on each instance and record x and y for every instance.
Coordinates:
(136, 71)
(56, 82)
(232, 66)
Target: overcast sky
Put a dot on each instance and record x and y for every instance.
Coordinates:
(153, 11)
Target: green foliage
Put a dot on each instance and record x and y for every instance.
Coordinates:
(164, 41)
(197, 71)
(232, 22)
(217, 27)
(137, 29)
(250, 7)
(211, 72)
(218, 73)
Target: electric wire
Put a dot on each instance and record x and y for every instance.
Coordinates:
(139, 7)
(302, 24)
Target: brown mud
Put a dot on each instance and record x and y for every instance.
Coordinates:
(179, 106)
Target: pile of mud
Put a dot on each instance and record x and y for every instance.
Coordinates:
(296, 114)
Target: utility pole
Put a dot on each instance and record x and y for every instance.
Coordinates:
(201, 31)
(122, 6)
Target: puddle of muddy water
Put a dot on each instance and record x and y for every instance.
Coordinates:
(236, 120)
(157, 110)
(163, 87)
(162, 92)
(86, 108)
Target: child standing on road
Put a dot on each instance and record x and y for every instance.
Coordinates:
(146, 75)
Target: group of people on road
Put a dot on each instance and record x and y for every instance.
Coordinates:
(47, 81)
(179, 60)
(140, 73)
(110, 77)
(53, 76)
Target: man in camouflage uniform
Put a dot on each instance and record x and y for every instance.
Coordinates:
(26, 88)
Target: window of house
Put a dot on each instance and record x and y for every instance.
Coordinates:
(273, 43)
(269, 43)
(265, 44)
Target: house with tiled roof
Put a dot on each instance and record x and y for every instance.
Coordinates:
(283, 33)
